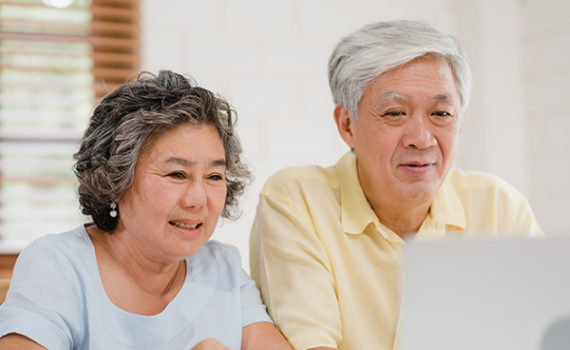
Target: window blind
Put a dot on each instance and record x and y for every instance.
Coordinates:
(54, 65)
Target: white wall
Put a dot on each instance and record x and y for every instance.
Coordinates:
(546, 58)
(495, 126)
(268, 58)
(517, 126)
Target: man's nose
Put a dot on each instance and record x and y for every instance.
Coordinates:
(418, 133)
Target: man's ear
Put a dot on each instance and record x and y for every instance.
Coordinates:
(345, 124)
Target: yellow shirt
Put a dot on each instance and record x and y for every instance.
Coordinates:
(329, 271)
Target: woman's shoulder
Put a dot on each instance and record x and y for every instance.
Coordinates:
(47, 289)
(66, 251)
(219, 251)
(216, 259)
(75, 241)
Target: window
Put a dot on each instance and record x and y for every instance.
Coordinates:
(54, 64)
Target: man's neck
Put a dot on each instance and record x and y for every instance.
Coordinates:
(403, 219)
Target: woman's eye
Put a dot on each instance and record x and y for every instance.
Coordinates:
(215, 177)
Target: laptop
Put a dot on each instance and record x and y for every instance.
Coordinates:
(486, 294)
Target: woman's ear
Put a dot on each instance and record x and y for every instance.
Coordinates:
(345, 124)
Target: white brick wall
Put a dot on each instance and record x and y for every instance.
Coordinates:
(268, 57)
(494, 137)
(546, 47)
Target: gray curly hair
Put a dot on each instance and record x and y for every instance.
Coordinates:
(376, 48)
(122, 126)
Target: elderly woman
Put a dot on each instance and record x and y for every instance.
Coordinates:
(158, 164)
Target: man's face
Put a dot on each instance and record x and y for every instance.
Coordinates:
(406, 134)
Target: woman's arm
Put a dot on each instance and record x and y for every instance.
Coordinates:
(210, 344)
(262, 336)
(19, 342)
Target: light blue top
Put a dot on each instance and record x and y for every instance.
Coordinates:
(57, 299)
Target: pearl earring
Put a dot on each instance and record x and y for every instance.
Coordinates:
(113, 211)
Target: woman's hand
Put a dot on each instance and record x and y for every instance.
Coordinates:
(262, 336)
(17, 341)
(210, 344)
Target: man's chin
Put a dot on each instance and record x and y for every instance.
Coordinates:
(418, 192)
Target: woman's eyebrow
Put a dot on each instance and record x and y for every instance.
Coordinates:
(218, 162)
(186, 162)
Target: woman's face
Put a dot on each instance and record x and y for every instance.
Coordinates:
(177, 195)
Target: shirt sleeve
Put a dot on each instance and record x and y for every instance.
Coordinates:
(525, 221)
(516, 213)
(292, 270)
(42, 302)
(252, 308)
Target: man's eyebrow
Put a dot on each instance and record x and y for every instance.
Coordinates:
(185, 162)
(443, 97)
(392, 95)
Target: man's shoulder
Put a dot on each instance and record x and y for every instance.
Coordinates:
(298, 177)
(466, 182)
(491, 204)
(462, 179)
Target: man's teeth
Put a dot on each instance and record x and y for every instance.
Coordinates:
(184, 226)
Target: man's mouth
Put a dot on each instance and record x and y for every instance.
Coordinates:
(415, 165)
(185, 226)
(417, 168)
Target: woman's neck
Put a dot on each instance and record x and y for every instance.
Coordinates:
(132, 280)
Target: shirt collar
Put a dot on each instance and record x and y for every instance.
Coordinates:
(356, 213)
(447, 209)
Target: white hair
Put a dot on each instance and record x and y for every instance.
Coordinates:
(376, 48)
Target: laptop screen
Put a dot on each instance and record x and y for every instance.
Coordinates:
(486, 293)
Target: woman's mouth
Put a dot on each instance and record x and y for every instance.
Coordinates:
(185, 226)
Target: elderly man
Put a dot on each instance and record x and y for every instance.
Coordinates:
(326, 242)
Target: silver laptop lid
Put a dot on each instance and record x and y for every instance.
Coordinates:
(491, 294)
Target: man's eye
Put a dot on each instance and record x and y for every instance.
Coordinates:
(442, 114)
(392, 114)
(177, 175)
(442, 118)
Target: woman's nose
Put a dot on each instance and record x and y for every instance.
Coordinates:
(195, 195)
